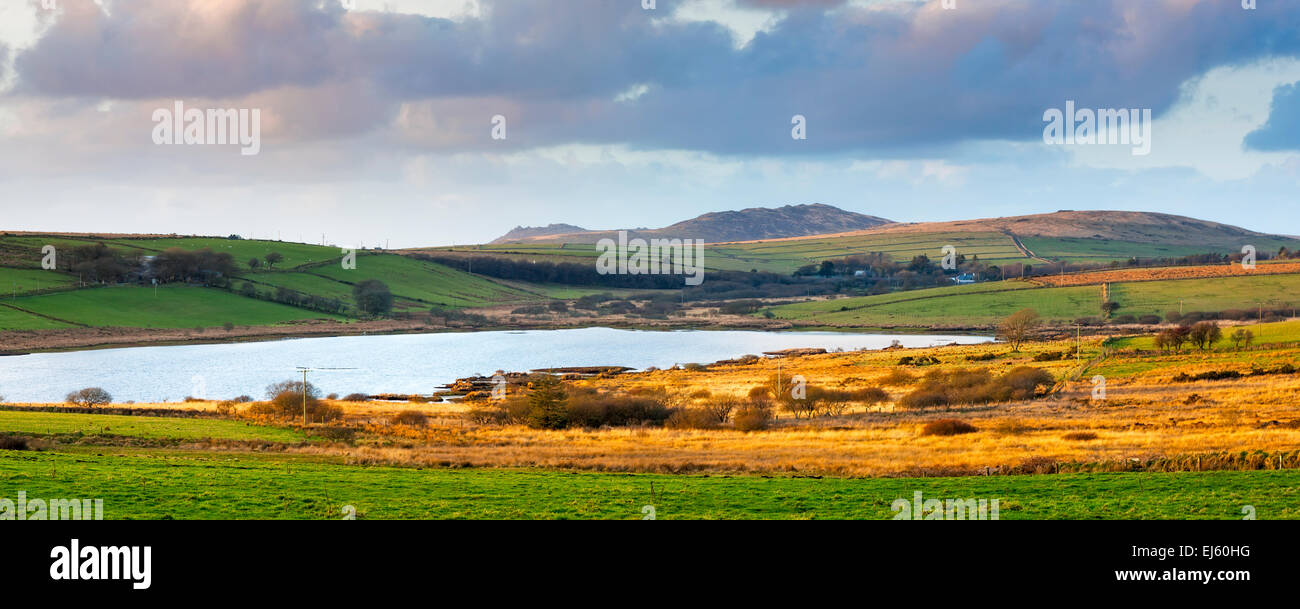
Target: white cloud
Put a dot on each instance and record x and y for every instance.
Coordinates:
(442, 9)
(1204, 130)
(743, 22)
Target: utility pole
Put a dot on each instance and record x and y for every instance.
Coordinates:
(304, 396)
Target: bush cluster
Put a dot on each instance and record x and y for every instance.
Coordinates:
(977, 386)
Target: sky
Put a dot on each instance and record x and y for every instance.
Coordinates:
(432, 122)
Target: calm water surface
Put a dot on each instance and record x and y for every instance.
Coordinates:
(406, 363)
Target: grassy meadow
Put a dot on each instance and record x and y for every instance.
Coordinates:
(172, 306)
(137, 484)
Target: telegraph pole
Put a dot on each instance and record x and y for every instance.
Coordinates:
(304, 396)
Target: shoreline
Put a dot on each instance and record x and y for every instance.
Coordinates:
(26, 342)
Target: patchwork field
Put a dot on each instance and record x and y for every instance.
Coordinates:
(307, 269)
(986, 304)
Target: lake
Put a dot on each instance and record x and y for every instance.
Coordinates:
(403, 363)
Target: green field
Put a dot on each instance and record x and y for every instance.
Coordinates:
(13, 319)
(295, 254)
(137, 484)
(433, 284)
(1264, 334)
(1102, 250)
(21, 280)
(784, 256)
(982, 304)
(174, 306)
(49, 423)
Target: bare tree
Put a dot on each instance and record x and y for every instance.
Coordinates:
(1019, 327)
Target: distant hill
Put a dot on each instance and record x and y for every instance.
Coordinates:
(1128, 226)
(524, 233)
(744, 225)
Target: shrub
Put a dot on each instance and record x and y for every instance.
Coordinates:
(89, 397)
(752, 417)
(947, 427)
(336, 433)
(243, 399)
(1010, 427)
(1080, 436)
(226, 408)
(1149, 320)
(896, 377)
(14, 443)
(869, 395)
(979, 386)
(287, 402)
(720, 409)
(373, 297)
(356, 397)
(692, 418)
(919, 360)
(546, 403)
(589, 408)
(409, 417)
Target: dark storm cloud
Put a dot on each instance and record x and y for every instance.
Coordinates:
(1282, 130)
(895, 76)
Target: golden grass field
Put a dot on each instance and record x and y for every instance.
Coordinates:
(1165, 273)
(1145, 416)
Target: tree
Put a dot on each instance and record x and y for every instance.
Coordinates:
(273, 259)
(1242, 337)
(1173, 338)
(254, 263)
(89, 397)
(373, 297)
(1109, 307)
(546, 403)
(1018, 327)
(1204, 334)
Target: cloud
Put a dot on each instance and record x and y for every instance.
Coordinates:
(887, 78)
(1282, 130)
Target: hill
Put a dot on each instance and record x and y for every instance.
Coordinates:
(744, 225)
(1128, 226)
(523, 233)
